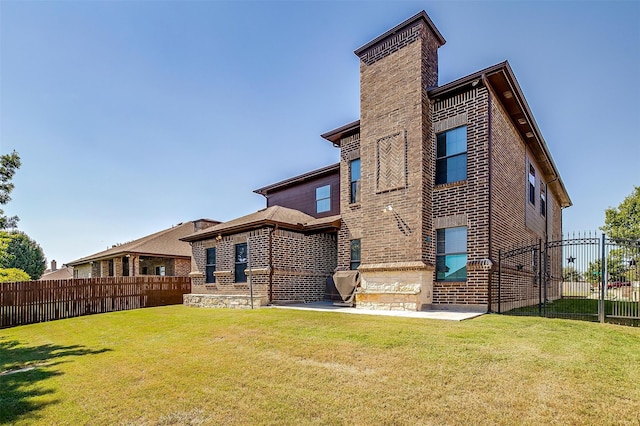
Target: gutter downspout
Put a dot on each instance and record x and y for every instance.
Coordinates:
(490, 166)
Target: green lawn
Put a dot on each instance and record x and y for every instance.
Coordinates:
(583, 309)
(178, 365)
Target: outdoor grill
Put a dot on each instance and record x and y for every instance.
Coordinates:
(346, 283)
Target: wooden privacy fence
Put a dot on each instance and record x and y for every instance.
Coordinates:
(37, 301)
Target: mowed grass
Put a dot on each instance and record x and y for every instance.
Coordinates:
(179, 365)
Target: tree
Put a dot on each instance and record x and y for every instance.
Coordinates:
(23, 253)
(623, 222)
(12, 275)
(569, 273)
(9, 163)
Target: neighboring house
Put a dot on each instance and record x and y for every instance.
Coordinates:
(432, 182)
(54, 273)
(161, 253)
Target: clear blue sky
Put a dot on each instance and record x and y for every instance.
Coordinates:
(132, 116)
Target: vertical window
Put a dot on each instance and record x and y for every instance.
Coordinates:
(125, 266)
(451, 254)
(543, 203)
(354, 173)
(145, 270)
(355, 254)
(532, 185)
(211, 265)
(110, 267)
(323, 199)
(241, 263)
(451, 155)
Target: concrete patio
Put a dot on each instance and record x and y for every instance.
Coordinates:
(453, 315)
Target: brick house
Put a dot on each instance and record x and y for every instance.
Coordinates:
(161, 253)
(432, 182)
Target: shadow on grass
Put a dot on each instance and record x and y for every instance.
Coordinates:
(22, 368)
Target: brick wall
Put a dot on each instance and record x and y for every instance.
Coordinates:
(465, 203)
(391, 130)
(351, 227)
(302, 264)
(393, 218)
(298, 264)
(182, 267)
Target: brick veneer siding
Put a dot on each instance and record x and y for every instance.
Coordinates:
(297, 267)
(465, 203)
(302, 263)
(509, 198)
(394, 216)
(351, 213)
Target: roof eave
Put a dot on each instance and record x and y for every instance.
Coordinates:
(298, 179)
(336, 135)
(483, 77)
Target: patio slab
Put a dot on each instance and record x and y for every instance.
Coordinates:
(433, 314)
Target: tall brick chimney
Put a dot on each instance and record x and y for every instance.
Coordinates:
(396, 154)
(54, 266)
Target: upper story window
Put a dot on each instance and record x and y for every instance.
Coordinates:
(543, 203)
(354, 173)
(451, 254)
(355, 255)
(532, 185)
(323, 199)
(211, 265)
(451, 155)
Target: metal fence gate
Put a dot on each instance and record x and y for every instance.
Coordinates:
(587, 277)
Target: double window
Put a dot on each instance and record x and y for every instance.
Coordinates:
(451, 254)
(211, 265)
(354, 177)
(355, 255)
(451, 155)
(323, 199)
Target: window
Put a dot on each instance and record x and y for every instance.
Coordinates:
(451, 155)
(451, 254)
(355, 254)
(211, 265)
(241, 263)
(323, 199)
(532, 185)
(543, 203)
(125, 266)
(110, 267)
(160, 270)
(355, 181)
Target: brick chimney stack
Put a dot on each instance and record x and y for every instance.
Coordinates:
(396, 70)
(54, 266)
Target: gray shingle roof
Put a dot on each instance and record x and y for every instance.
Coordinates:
(164, 243)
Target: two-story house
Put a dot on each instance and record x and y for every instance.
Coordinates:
(432, 182)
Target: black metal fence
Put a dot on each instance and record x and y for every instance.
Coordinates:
(587, 277)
